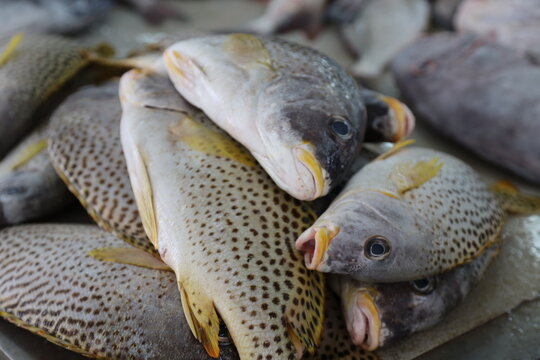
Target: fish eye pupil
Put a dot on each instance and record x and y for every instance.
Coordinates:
(341, 128)
(422, 283)
(377, 248)
(424, 286)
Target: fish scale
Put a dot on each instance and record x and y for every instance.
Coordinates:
(221, 224)
(84, 146)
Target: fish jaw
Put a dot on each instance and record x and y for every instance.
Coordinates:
(362, 319)
(314, 243)
(404, 120)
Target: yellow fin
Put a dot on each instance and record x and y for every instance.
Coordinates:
(248, 51)
(10, 48)
(408, 175)
(203, 139)
(513, 201)
(28, 153)
(397, 147)
(131, 256)
(201, 317)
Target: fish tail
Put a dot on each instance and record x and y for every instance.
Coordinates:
(10, 48)
(512, 200)
(201, 316)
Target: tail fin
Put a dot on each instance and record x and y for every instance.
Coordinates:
(513, 201)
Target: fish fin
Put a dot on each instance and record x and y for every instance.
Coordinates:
(131, 256)
(28, 153)
(10, 48)
(209, 141)
(397, 147)
(144, 197)
(408, 175)
(248, 51)
(305, 332)
(513, 201)
(201, 317)
(182, 68)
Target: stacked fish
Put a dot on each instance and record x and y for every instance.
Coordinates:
(204, 161)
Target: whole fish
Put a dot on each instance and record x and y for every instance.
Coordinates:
(381, 30)
(221, 224)
(478, 72)
(515, 23)
(379, 314)
(32, 69)
(84, 146)
(51, 286)
(410, 214)
(29, 186)
(297, 111)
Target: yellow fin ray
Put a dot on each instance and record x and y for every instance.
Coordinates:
(131, 256)
(201, 317)
(10, 48)
(29, 153)
(408, 175)
(248, 51)
(208, 141)
(397, 147)
(513, 201)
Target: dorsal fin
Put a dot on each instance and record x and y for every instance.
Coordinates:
(512, 200)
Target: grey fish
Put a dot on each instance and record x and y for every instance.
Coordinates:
(297, 111)
(410, 214)
(32, 69)
(29, 186)
(84, 146)
(379, 314)
(477, 72)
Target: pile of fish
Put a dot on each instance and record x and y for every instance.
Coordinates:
(237, 216)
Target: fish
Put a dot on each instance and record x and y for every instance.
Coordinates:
(52, 286)
(478, 72)
(32, 69)
(515, 24)
(85, 149)
(444, 12)
(377, 315)
(344, 11)
(381, 29)
(29, 186)
(296, 110)
(410, 214)
(221, 224)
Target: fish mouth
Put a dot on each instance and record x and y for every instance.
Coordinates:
(363, 321)
(305, 155)
(405, 120)
(314, 243)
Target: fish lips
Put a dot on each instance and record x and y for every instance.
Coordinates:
(363, 320)
(314, 244)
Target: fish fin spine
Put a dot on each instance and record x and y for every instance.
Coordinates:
(396, 148)
(408, 175)
(29, 153)
(130, 256)
(10, 49)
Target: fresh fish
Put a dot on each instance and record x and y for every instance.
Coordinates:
(344, 11)
(498, 124)
(51, 286)
(515, 23)
(221, 224)
(410, 214)
(379, 314)
(299, 114)
(443, 12)
(285, 15)
(382, 28)
(29, 186)
(32, 69)
(84, 146)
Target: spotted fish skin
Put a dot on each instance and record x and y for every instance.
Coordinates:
(84, 145)
(51, 286)
(426, 225)
(35, 71)
(396, 310)
(221, 224)
(29, 186)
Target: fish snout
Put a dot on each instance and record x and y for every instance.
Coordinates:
(404, 120)
(362, 319)
(318, 184)
(314, 243)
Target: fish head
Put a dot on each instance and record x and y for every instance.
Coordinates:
(310, 138)
(371, 236)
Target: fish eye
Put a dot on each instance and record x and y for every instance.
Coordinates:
(341, 128)
(424, 286)
(377, 248)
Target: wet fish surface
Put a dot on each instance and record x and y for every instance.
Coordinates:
(84, 145)
(412, 214)
(221, 224)
(296, 110)
(478, 73)
(29, 186)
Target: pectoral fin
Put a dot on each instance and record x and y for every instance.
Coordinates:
(10, 48)
(397, 147)
(201, 317)
(28, 153)
(513, 201)
(131, 256)
(248, 51)
(409, 175)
